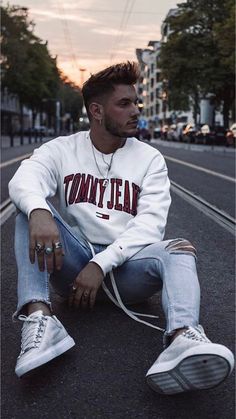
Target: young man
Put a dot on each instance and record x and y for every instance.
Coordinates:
(114, 201)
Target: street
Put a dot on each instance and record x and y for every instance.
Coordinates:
(103, 376)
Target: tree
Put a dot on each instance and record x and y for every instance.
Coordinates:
(28, 70)
(195, 58)
(71, 98)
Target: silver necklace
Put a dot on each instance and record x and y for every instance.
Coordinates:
(106, 180)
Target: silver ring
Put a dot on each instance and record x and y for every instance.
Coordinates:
(85, 295)
(39, 247)
(74, 289)
(48, 250)
(57, 245)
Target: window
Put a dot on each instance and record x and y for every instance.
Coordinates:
(157, 77)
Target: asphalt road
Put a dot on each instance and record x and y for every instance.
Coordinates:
(102, 377)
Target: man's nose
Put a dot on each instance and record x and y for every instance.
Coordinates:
(135, 110)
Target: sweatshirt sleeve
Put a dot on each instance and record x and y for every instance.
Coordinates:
(148, 226)
(35, 180)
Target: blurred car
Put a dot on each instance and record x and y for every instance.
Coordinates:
(188, 133)
(164, 131)
(180, 126)
(231, 136)
(143, 134)
(157, 133)
(172, 133)
(211, 135)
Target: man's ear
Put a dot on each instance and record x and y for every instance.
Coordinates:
(96, 110)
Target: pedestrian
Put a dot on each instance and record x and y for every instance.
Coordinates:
(114, 199)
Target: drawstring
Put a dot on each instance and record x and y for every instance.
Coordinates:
(118, 302)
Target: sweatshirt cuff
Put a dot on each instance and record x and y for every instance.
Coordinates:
(109, 258)
(36, 203)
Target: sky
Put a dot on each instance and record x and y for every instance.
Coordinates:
(91, 34)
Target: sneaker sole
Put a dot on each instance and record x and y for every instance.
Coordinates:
(46, 356)
(196, 372)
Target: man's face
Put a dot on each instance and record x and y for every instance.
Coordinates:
(121, 112)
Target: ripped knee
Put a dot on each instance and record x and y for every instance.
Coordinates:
(181, 246)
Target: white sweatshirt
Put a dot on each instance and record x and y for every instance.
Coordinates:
(127, 215)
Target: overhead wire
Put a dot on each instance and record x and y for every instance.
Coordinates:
(67, 35)
(121, 31)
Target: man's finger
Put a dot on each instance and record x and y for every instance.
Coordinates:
(49, 255)
(58, 257)
(77, 297)
(32, 251)
(71, 296)
(85, 299)
(92, 298)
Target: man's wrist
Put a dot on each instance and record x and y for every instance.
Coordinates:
(36, 211)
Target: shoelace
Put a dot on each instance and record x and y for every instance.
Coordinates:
(196, 333)
(118, 302)
(32, 332)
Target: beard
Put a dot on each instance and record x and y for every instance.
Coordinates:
(115, 129)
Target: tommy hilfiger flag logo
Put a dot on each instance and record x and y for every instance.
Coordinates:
(104, 216)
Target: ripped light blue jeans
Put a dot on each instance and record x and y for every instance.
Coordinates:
(168, 266)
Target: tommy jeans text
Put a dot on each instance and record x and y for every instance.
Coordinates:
(80, 187)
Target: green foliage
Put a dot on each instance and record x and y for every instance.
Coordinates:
(71, 98)
(198, 57)
(29, 70)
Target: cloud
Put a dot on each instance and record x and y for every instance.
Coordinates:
(105, 31)
(45, 15)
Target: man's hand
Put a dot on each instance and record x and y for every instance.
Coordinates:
(86, 286)
(43, 232)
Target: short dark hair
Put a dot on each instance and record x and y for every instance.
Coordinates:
(102, 83)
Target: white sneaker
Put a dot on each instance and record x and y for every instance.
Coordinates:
(43, 338)
(190, 363)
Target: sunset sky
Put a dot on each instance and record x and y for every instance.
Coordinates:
(92, 34)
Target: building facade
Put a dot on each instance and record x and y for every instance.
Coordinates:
(153, 90)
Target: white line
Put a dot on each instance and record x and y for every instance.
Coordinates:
(200, 168)
(7, 212)
(220, 217)
(9, 162)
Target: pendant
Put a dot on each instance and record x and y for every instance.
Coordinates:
(105, 183)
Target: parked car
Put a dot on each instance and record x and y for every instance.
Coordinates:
(143, 134)
(231, 136)
(172, 133)
(164, 131)
(188, 133)
(157, 133)
(210, 135)
(180, 126)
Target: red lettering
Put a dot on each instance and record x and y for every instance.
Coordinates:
(83, 190)
(110, 203)
(126, 206)
(67, 180)
(136, 191)
(93, 191)
(118, 206)
(74, 188)
(102, 191)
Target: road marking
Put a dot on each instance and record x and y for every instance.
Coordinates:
(9, 162)
(219, 216)
(200, 168)
(7, 208)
